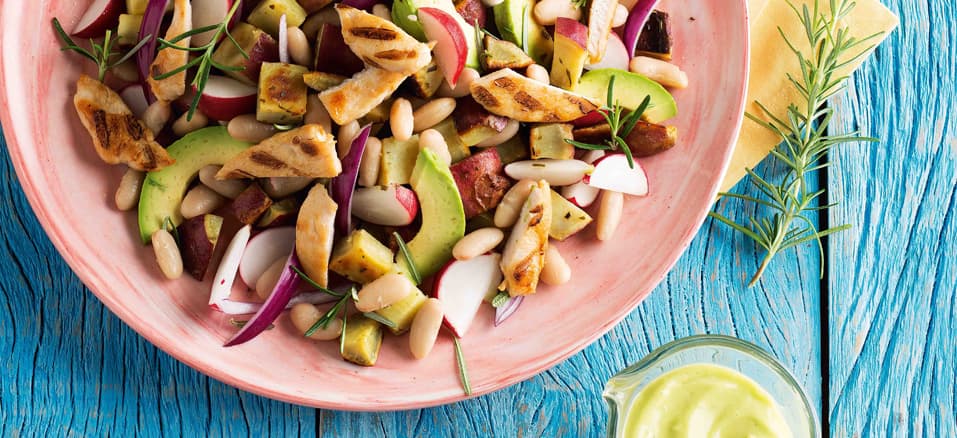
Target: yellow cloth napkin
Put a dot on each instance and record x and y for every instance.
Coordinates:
(771, 60)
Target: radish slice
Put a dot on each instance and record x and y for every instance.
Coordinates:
(263, 250)
(462, 286)
(231, 307)
(343, 185)
(616, 56)
(506, 310)
(208, 13)
(451, 48)
(613, 173)
(278, 300)
(284, 41)
(150, 26)
(135, 99)
(636, 22)
(582, 194)
(226, 273)
(225, 98)
(99, 16)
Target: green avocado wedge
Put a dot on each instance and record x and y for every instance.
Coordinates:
(443, 216)
(630, 90)
(163, 189)
(516, 24)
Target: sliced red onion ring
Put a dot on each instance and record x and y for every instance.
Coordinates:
(280, 297)
(231, 307)
(636, 22)
(343, 185)
(360, 4)
(152, 20)
(283, 41)
(506, 310)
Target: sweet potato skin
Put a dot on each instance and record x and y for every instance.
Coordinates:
(481, 181)
(250, 204)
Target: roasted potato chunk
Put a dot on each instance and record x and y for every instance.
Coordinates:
(512, 95)
(307, 151)
(118, 136)
(282, 93)
(361, 258)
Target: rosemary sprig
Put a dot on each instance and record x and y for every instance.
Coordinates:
(380, 319)
(408, 257)
(579, 3)
(335, 310)
(313, 283)
(804, 130)
(619, 124)
(500, 299)
(101, 54)
(204, 61)
(463, 370)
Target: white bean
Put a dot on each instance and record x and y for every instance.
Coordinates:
(383, 291)
(433, 112)
(477, 243)
(425, 328)
(461, 89)
(167, 254)
(492, 3)
(369, 165)
(298, 46)
(305, 315)
(555, 271)
(230, 188)
(200, 200)
(621, 16)
(547, 11)
(401, 119)
(282, 186)
(156, 116)
(268, 279)
(182, 126)
(511, 206)
(128, 192)
(247, 128)
(316, 113)
(662, 72)
(347, 133)
(538, 73)
(382, 11)
(609, 214)
(556, 172)
(511, 128)
(432, 140)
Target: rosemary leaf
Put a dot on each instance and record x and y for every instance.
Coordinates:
(313, 283)
(380, 319)
(463, 371)
(408, 257)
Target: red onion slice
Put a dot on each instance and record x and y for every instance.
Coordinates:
(360, 4)
(152, 20)
(280, 297)
(231, 307)
(344, 185)
(283, 40)
(636, 22)
(506, 310)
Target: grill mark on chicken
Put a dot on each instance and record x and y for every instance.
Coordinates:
(150, 159)
(374, 33)
(535, 215)
(527, 101)
(308, 147)
(506, 84)
(484, 97)
(133, 127)
(396, 54)
(102, 130)
(266, 159)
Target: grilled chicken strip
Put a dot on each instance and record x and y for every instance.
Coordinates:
(118, 136)
(379, 43)
(512, 95)
(169, 59)
(359, 94)
(305, 151)
(314, 232)
(524, 254)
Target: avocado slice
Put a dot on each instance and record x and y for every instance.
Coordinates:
(630, 90)
(516, 24)
(443, 216)
(163, 190)
(404, 15)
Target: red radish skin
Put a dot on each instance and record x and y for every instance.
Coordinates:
(582, 194)
(613, 173)
(591, 119)
(462, 285)
(100, 16)
(450, 49)
(263, 250)
(208, 13)
(225, 98)
(394, 206)
(573, 30)
(616, 55)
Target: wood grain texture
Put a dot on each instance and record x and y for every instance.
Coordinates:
(893, 282)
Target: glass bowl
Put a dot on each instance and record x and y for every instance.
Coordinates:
(725, 351)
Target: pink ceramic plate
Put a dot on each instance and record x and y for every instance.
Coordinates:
(71, 192)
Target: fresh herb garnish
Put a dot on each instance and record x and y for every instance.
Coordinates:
(408, 257)
(101, 53)
(336, 309)
(804, 130)
(204, 61)
(313, 283)
(619, 124)
(579, 3)
(170, 227)
(463, 371)
(500, 299)
(380, 319)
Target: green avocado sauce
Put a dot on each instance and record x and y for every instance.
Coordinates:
(704, 400)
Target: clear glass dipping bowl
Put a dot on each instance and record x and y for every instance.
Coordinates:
(726, 351)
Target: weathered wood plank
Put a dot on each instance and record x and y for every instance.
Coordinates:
(70, 367)
(704, 293)
(893, 283)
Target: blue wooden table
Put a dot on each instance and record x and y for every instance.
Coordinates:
(873, 342)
